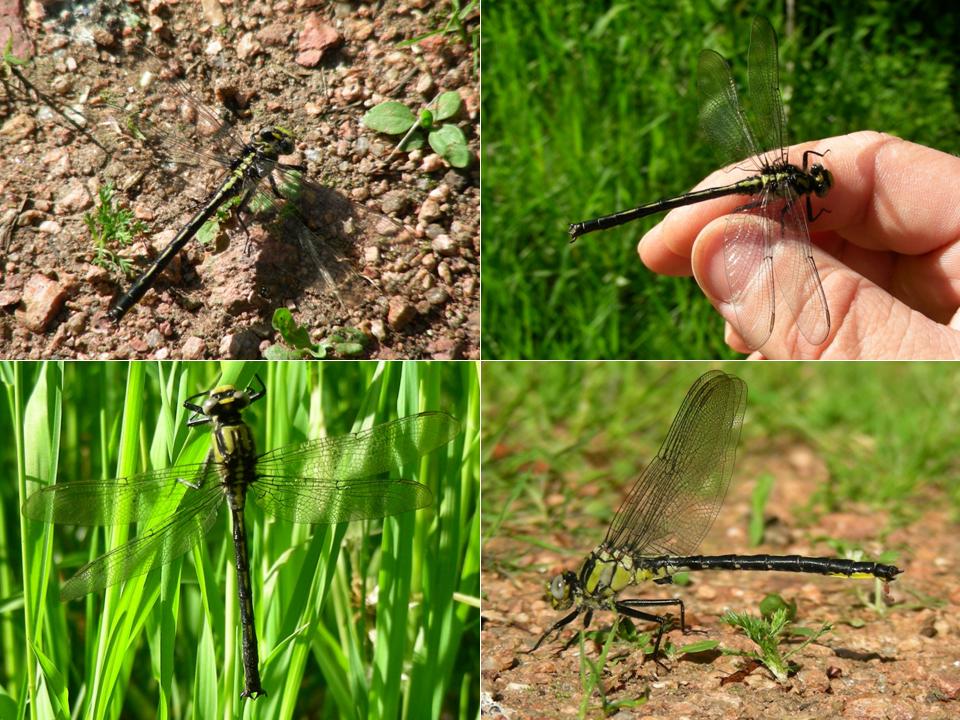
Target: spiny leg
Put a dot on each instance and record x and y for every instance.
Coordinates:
(627, 607)
(556, 627)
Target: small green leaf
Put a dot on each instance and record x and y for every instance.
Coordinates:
(207, 234)
(414, 142)
(426, 119)
(771, 603)
(392, 118)
(348, 349)
(448, 105)
(698, 647)
(8, 57)
(279, 352)
(292, 334)
(450, 142)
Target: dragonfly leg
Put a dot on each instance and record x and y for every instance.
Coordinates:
(648, 602)
(198, 484)
(239, 216)
(810, 216)
(624, 609)
(807, 153)
(283, 166)
(256, 394)
(556, 627)
(749, 206)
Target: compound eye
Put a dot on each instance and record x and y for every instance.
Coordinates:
(558, 588)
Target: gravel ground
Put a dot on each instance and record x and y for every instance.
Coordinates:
(407, 287)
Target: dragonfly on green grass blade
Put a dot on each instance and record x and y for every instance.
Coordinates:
(668, 512)
(766, 242)
(331, 480)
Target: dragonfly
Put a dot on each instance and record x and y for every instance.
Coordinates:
(330, 480)
(253, 178)
(766, 241)
(668, 512)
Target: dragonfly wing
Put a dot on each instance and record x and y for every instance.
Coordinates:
(183, 130)
(136, 498)
(369, 452)
(339, 222)
(676, 498)
(332, 479)
(157, 546)
(748, 259)
(317, 500)
(721, 118)
(764, 89)
(796, 271)
(289, 207)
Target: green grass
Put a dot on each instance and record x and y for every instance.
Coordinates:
(574, 436)
(375, 619)
(590, 107)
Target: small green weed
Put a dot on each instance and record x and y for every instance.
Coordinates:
(345, 343)
(447, 140)
(768, 630)
(110, 224)
(591, 671)
(462, 22)
(758, 502)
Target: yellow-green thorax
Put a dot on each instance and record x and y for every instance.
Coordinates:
(602, 576)
(233, 447)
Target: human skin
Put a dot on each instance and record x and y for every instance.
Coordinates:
(887, 250)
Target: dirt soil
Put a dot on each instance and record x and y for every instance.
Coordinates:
(411, 286)
(898, 663)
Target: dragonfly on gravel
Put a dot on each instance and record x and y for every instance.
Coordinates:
(253, 178)
(326, 481)
(668, 512)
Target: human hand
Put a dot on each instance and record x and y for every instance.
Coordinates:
(888, 252)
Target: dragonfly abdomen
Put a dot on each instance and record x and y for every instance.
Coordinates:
(776, 563)
(230, 187)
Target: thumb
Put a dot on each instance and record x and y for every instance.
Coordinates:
(867, 322)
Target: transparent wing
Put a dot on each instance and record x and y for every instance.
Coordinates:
(177, 127)
(764, 88)
(676, 498)
(158, 546)
(301, 204)
(796, 271)
(333, 479)
(748, 259)
(722, 120)
(136, 498)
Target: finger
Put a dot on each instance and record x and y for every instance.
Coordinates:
(867, 322)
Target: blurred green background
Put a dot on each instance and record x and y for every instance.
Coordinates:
(591, 107)
(563, 442)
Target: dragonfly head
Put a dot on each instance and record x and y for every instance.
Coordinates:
(822, 179)
(225, 400)
(561, 591)
(274, 140)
